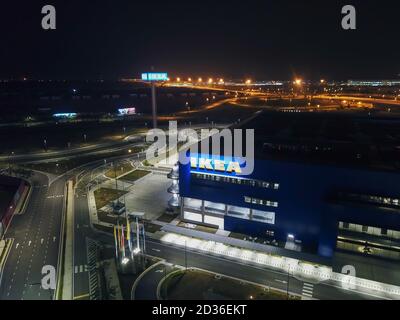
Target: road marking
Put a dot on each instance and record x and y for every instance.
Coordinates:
(281, 281)
(82, 296)
(156, 250)
(308, 290)
(80, 268)
(55, 196)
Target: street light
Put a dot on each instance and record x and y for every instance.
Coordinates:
(186, 254)
(298, 82)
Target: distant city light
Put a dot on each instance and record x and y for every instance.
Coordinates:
(298, 82)
(65, 115)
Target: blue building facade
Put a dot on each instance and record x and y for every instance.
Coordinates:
(316, 207)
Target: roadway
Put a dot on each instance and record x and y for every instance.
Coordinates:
(36, 236)
(252, 273)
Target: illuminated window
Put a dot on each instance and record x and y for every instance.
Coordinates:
(233, 180)
(191, 203)
(192, 216)
(239, 212)
(214, 207)
(269, 233)
(261, 202)
(263, 216)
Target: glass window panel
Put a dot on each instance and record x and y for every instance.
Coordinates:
(192, 216)
(214, 221)
(239, 212)
(264, 216)
(214, 207)
(192, 203)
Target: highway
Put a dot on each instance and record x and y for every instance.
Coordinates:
(36, 235)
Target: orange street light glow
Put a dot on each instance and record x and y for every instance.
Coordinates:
(297, 82)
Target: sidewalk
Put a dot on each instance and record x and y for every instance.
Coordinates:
(67, 263)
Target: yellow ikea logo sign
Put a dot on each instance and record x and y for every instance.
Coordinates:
(217, 165)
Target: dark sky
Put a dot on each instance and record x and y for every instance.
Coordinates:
(269, 39)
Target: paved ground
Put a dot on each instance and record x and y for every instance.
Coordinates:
(148, 194)
(146, 288)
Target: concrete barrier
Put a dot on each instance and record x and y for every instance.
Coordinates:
(66, 287)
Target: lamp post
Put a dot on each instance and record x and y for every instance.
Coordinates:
(287, 283)
(186, 255)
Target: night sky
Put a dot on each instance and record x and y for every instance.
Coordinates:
(269, 39)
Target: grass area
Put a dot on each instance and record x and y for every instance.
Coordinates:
(200, 285)
(146, 163)
(167, 218)
(104, 196)
(198, 227)
(134, 175)
(119, 170)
